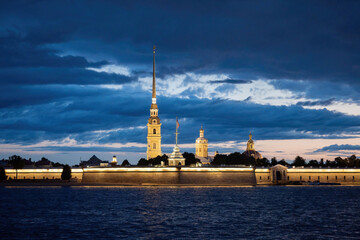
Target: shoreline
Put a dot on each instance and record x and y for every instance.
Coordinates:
(77, 184)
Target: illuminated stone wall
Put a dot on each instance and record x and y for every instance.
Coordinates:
(42, 173)
(171, 176)
(328, 175)
(206, 176)
(346, 176)
(263, 176)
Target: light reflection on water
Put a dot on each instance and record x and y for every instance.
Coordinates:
(180, 212)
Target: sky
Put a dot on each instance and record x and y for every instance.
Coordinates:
(76, 77)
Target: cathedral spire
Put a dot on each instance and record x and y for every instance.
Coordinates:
(154, 81)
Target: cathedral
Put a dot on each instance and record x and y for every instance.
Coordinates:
(153, 125)
(250, 149)
(176, 158)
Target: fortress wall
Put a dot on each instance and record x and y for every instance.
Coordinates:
(335, 175)
(42, 173)
(263, 176)
(171, 176)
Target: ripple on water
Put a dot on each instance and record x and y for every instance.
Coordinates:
(163, 213)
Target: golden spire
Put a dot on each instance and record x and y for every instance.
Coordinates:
(154, 84)
(250, 136)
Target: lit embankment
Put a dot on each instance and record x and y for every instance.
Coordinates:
(205, 176)
(42, 173)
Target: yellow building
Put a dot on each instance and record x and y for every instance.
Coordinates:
(154, 125)
(201, 145)
(250, 149)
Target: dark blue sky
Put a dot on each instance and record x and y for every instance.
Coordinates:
(76, 76)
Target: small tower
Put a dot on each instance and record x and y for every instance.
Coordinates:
(250, 144)
(114, 161)
(176, 158)
(250, 149)
(154, 125)
(201, 145)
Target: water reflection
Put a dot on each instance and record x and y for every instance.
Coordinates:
(179, 212)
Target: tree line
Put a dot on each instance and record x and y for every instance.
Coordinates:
(235, 158)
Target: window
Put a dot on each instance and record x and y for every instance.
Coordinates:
(154, 121)
(344, 177)
(353, 178)
(318, 178)
(268, 177)
(288, 178)
(309, 178)
(300, 178)
(336, 177)
(154, 131)
(154, 146)
(260, 177)
(327, 177)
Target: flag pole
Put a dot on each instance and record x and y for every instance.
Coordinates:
(176, 131)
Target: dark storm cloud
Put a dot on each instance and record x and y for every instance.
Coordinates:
(294, 39)
(47, 94)
(336, 148)
(231, 81)
(78, 116)
(18, 51)
(317, 103)
(87, 149)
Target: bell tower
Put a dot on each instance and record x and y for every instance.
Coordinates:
(154, 125)
(201, 145)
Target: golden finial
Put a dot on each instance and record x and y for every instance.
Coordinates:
(250, 136)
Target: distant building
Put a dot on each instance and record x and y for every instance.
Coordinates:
(201, 149)
(92, 162)
(43, 163)
(201, 145)
(250, 149)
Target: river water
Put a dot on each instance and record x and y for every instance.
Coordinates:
(275, 212)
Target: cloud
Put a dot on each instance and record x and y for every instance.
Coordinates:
(316, 103)
(233, 66)
(121, 70)
(231, 81)
(337, 148)
(308, 45)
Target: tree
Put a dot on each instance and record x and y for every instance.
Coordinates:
(17, 162)
(274, 161)
(263, 162)
(313, 163)
(341, 162)
(219, 159)
(190, 158)
(125, 163)
(66, 173)
(158, 160)
(283, 162)
(351, 161)
(299, 161)
(143, 162)
(3, 176)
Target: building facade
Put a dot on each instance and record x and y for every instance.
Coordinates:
(201, 145)
(153, 125)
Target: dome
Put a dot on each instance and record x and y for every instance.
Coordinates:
(252, 153)
(250, 149)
